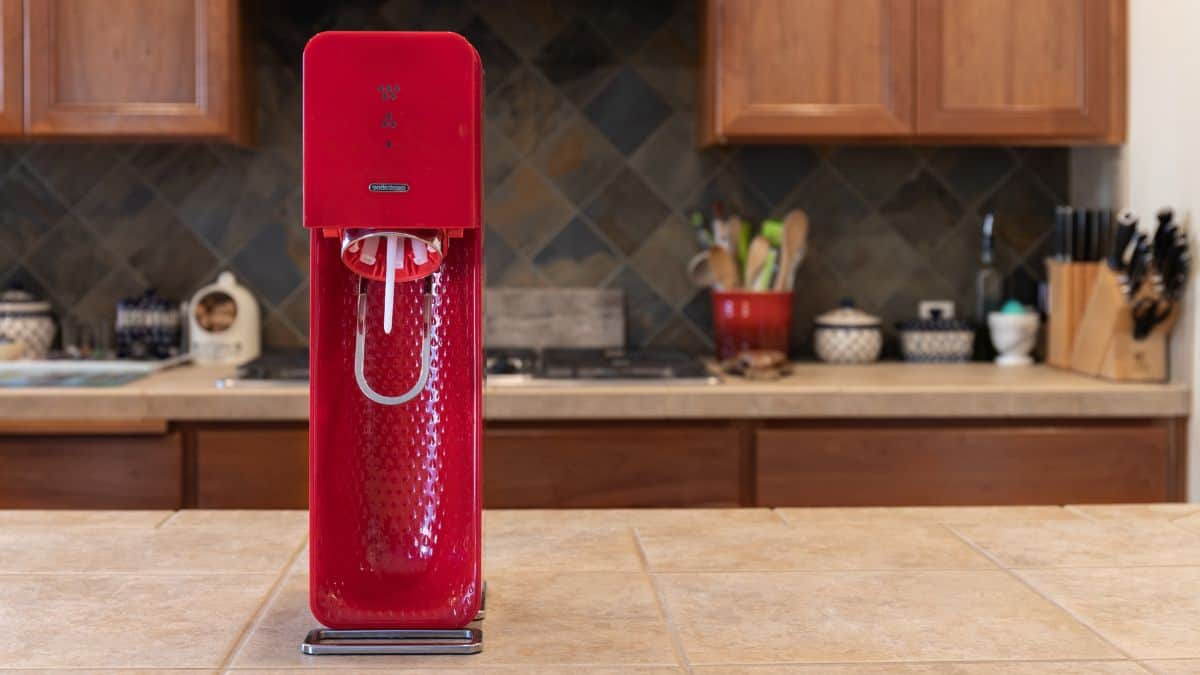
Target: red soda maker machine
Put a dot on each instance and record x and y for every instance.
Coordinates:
(392, 202)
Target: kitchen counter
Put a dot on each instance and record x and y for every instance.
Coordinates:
(1099, 589)
(885, 390)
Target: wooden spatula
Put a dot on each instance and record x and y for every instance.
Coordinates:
(756, 257)
(723, 267)
(793, 244)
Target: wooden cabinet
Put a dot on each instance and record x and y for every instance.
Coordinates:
(889, 464)
(609, 465)
(1012, 71)
(11, 71)
(134, 68)
(776, 69)
(91, 472)
(249, 467)
(1020, 68)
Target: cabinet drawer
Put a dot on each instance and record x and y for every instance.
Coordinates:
(252, 468)
(610, 465)
(102, 472)
(963, 463)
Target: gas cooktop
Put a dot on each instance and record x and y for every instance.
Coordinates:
(657, 366)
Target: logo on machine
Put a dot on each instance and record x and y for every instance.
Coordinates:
(388, 187)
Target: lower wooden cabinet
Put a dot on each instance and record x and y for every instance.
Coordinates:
(250, 467)
(611, 464)
(91, 472)
(888, 464)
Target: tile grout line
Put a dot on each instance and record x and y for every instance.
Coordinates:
(1081, 514)
(661, 600)
(1021, 580)
(260, 614)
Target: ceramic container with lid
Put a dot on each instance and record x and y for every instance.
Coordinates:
(28, 321)
(936, 339)
(847, 335)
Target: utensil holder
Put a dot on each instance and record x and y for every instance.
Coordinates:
(745, 320)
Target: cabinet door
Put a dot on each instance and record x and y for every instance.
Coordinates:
(1020, 68)
(131, 67)
(10, 67)
(785, 69)
(252, 467)
(965, 463)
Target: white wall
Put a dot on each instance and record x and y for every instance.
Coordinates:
(1160, 162)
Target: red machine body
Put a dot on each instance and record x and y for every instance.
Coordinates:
(392, 142)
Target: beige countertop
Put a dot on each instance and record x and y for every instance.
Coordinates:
(1102, 589)
(812, 390)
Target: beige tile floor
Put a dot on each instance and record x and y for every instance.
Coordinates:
(965, 591)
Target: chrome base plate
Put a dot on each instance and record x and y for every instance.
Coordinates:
(324, 641)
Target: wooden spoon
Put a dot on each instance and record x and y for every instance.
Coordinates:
(756, 257)
(793, 245)
(723, 267)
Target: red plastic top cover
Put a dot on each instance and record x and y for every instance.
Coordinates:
(391, 131)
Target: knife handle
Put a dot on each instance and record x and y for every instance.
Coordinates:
(1062, 233)
(1126, 227)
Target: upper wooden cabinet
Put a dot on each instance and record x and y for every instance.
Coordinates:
(134, 68)
(10, 67)
(783, 68)
(1013, 71)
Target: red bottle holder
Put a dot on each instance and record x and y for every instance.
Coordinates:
(392, 172)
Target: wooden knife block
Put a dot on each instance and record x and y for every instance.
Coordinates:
(1091, 326)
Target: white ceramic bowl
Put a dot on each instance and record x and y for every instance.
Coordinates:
(848, 344)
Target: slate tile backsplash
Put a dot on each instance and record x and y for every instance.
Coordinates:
(591, 171)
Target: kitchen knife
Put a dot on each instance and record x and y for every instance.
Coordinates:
(1062, 233)
(1092, 236)
(1139, 263)
(1164, 236)
(1126, 227)
(1079, 235)
(1104, 230)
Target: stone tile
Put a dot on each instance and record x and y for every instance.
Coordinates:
(100, 303)
(526, 210)
(627, 110)
(925, 514)
(265, 265)
(72, 169)
(279, 334)
(971, 172)
(628, 25)
(176, 170)
(11, 154)
(502, 266)
(1024, 212)
(415, 14)
(658, 518)
(922, 212)
(577, 61)
(924, 283)
(527, 25)
(174, 261)
(295, 309)
(1174, 666)
(682, 334)
(869, 616)
(956, 668)
(1090, 544)
(728, 189)
(209, 207)
(669, 59)
(1021, 284)
(671, 162)
(1173, 511)
(527, 109)
(290, 521)
(663, 258)
(779, 547)
(125, 213)
(1053, 167)
(627, 211)
(30, 211)
(499, 59)
(774, 170)
(817, 290)
(832, 208)
(869, 256)
(514, 546)
(500, 158)
(956, 257)
(577, 159)
(73, 621)
(876, 171)
(76, 518)
(560, 618)
(1147, 612)
(166, 550)
(698, 310)
(576, 257)
(645, 310)
(70, 260)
